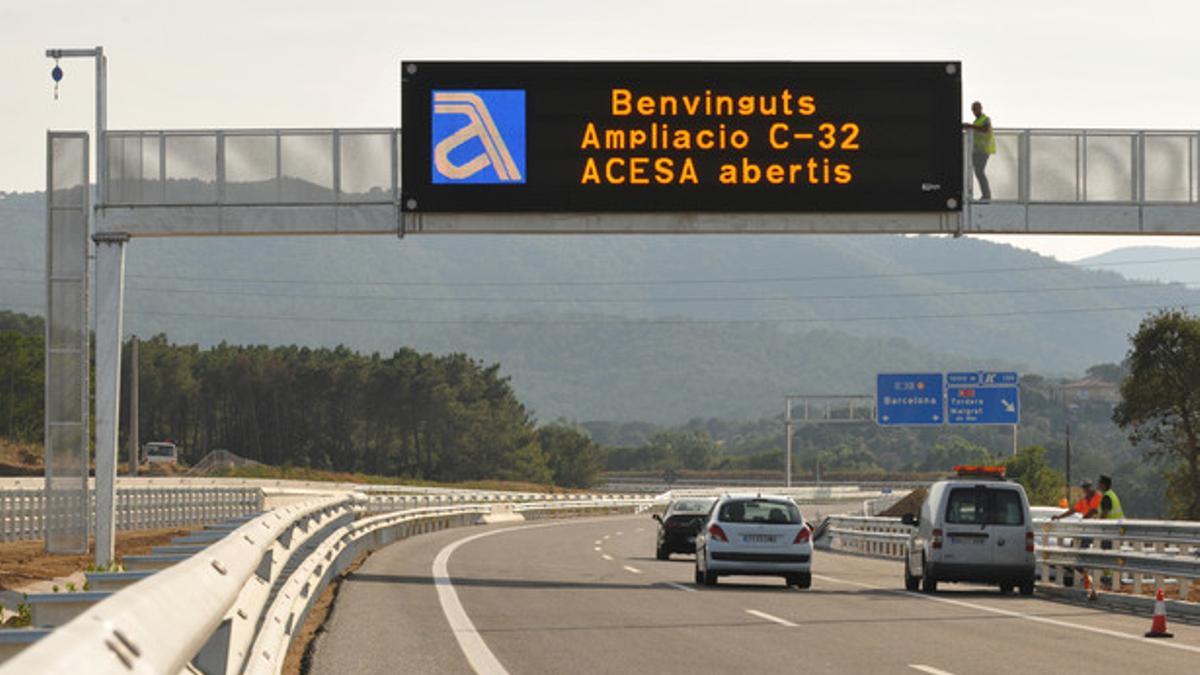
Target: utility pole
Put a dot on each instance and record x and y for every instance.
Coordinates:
(787, 417)
(1068, 463)
(135, 441)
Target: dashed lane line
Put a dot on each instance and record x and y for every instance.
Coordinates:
(597, 549)
(1019, 615)
(929, 669)
(771, 617)
(634, 570)
(606, 556)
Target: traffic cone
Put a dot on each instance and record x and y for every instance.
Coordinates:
(1158, 627)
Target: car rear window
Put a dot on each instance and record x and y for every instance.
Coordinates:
(759, 511)
(695, 506)
(984, 506)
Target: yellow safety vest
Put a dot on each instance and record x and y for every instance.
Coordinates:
(985, 141)
(1115, 512)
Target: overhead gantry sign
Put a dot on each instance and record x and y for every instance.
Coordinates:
(710, 137)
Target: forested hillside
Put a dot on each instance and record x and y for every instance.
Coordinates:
(628, 328)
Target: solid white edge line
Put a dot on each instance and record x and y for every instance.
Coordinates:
(771, 617)
(482, 660)
(680, 586)
(929, 669)
(1017, 615)
(632, 569)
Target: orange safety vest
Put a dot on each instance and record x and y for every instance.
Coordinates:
(1085, 505)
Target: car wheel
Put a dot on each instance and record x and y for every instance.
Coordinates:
(928, 582)
(911, 583)
(1027, 587)
(710, 578)
(1006, 589)
(801, 581)
(662, 554)
(699, 575)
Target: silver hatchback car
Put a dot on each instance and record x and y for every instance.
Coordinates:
(762, 535)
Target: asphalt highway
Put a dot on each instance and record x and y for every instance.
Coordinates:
(587, 596)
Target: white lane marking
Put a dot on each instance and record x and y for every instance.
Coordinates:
(929, 669)
(620, 533)
(771, 617)
(606, 556)
(1019, 615)
(598, 542)
(607, 536)
(632, 569)
(482, 660)
(680, 586)
(596, 548)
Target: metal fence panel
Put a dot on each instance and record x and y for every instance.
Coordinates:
(66, 437)
(1109, 168)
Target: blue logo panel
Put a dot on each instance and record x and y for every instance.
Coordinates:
(909, 399)
(983, 405)
(478, 136)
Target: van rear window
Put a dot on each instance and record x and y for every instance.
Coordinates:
(984, 506)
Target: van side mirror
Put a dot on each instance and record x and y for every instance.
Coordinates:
(908, 519)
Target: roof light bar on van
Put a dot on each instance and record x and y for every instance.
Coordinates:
(971, 470)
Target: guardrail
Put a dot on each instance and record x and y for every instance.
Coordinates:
(1094, 166)
(235, 606)
(24, 512)
(1166, 551)
(360, 167)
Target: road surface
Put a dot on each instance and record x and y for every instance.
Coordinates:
(587, 596)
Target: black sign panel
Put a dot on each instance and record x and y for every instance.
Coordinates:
(681, 137)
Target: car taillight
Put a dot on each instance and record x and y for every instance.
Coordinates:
(802, 536)
(717, 533)
(936, 541)
(1028, 541)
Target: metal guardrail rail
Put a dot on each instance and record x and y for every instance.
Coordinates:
(24, 512)
(235, 605)
(1167, 551)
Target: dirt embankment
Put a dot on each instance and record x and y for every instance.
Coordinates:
(25, 562)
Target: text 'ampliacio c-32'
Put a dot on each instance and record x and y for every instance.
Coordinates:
(681, 137)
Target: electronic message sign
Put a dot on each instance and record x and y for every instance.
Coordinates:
(681, 137)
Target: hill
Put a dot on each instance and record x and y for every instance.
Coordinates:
(1152, 263)
(655, 328)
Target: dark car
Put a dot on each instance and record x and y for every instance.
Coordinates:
(677, 529)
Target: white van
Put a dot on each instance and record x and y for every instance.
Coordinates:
(160, 453)
(975, 527)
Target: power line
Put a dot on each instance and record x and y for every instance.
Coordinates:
(680, 321)
(651, 282)
(714, 298)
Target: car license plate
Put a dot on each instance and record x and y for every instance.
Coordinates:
(759, 538)
(974, 541)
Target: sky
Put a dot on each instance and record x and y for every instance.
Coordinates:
(294, 63)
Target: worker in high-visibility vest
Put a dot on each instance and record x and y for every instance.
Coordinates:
(1088, 506)
(983, 149)
(1110, 509)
